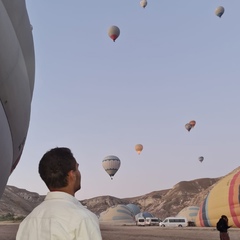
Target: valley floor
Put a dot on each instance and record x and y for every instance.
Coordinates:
(110, 232)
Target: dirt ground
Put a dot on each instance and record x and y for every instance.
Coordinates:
(110, 232)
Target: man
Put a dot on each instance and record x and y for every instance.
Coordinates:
(222, 227)
(60, 216)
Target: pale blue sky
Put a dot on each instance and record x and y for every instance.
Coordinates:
(174, 61)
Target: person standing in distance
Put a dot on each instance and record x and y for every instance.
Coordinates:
(60, 216)
(222, 227)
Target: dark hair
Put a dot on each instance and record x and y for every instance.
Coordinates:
(55, 166)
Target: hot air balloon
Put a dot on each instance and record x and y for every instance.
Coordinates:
(192, 123)
(189, 213)
(223, 198)
(113, 32)
(188, 126)
(143, 3)
(201, 159)
(17, 78)
(219, 11)
(139, 148)
(111, 164)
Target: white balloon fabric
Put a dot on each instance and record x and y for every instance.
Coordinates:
(17, 75)
(143, 3)
(111, 164)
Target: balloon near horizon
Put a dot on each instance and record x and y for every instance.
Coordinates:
(223, 199)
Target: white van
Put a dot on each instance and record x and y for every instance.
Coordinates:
(152, 221)
(174, 222)
(140, 221)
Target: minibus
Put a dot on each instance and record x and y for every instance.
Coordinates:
(174, 222)
(152, 221)
(140, 221)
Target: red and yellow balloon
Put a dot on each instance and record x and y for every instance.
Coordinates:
(223, 199)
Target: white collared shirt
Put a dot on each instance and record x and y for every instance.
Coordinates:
(60, 217)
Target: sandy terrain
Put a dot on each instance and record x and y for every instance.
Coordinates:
(8, 232)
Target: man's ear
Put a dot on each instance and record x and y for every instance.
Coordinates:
(72, 175)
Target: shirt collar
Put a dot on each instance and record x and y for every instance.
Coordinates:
(61, 195)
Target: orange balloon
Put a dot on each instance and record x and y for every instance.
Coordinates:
(139, 148)
(192, 123)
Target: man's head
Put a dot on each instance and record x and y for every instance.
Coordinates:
(224, 217)
(59, 170)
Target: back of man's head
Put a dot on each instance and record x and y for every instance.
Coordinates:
(55, 166)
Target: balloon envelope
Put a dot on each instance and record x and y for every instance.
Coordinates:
(139, 148)
(223, 199)
(188, 126)
(189, 212)
(219, 11)
(113, 32)
(143, 3)
(201, 159)
(192, 123)
(17, 78)
(111, 164)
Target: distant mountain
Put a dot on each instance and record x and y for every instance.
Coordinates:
(163, 203)
(17, 203)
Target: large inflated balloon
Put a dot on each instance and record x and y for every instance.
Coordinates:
(111, 164)
(223, 199)
(17, 76)
(189, 212)
(143, 3)
(201, 159)
(113, 32)
(139, 148)
(219, 11)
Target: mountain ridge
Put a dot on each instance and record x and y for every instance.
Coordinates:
(17, 203)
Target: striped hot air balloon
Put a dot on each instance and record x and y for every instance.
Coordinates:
(223, 198)
(111, 164)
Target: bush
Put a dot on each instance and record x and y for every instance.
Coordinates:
(11, 217)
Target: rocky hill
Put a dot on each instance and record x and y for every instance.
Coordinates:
(17, 203)
(163, 203)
